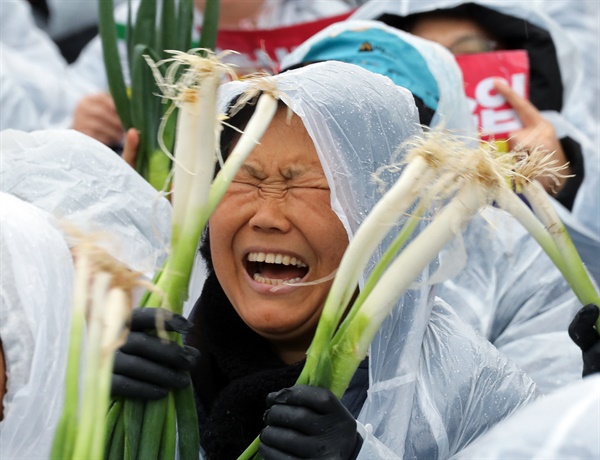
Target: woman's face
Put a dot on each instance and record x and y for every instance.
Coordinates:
(459, 35)
(276, 224)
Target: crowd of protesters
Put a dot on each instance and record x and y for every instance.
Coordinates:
(490, 357)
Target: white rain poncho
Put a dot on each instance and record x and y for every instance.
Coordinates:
(49, 179)
(498, 277)
(86, 184)
(35, 296)
(580, 21)
(18, 110)
(435, 384)
(563, 425)
(510, 291)
(66, 18)
(31, 63)
(577, 118)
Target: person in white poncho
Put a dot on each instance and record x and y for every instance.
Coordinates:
(36, 264)
(563, 86)
(430, 385)
(497, 278)
(564, 424)
(38, 88)
(49, 179)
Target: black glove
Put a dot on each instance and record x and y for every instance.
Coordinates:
(585, 335)
(308, 422)
(147, 367)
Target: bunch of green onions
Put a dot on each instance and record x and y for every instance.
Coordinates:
(137, 106)
(441, 171)
(467, 179)
(124, 428)
(543, 222)
(102, 300)
(153, 429)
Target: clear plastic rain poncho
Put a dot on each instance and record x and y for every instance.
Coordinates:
(435, 384)
(18, 110)
(562, 425)
(35, 299)
(496, 277)
(577, 118)
(86, 184)
(48, 179)
(33, 65)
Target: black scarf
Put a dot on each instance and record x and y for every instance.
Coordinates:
(237, 370)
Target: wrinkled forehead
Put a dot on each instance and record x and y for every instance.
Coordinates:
(356, 119)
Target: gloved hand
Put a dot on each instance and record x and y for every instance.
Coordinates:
(308, 422)
(147, 367)
(583, 333)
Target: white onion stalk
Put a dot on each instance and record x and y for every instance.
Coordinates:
(467, 174)
(116, 308)
(102, 294)
(66, 431)
(430, 158)
(91, 411)
(549, 231)
(350, 346)
(190, 209)
(194, 151)
(212, 191)
(198, 140)
(195, 92)
(474, 174)
(440, 189)
(196, 194)
(382, 218)
(266, 107)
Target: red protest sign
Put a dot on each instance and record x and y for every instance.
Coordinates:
(492, 114)
(263, 49)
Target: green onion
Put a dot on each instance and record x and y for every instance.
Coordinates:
(191, 82)
(441, 168)
(266, 107)
(350, 347)
(544, 224)
(112, 62)
(138, 107)
(103, 289)
(198, 127)
(383, 217)
(66, 431)
(210, 25)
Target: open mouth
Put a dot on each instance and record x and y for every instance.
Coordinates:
(275, 269)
